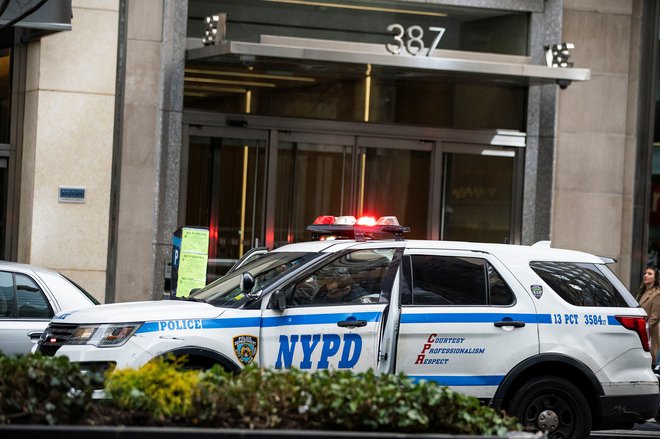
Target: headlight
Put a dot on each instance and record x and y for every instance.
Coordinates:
(111, 335)
(82, 334)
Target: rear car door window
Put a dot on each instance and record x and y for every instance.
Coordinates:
(436, 280)
(32, 303)
(580, 284)
(21, 297)
(499, 291)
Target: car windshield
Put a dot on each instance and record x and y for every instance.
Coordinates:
(226, 291)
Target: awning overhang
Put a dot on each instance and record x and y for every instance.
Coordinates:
(51, 16)
(506, 68)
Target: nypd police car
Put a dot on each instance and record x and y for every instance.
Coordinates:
(549, 335)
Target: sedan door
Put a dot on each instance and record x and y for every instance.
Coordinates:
(24, 313)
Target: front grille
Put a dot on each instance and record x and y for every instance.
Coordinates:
(55, 336)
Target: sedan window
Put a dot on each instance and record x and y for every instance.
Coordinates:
(21, 297)
(7, 300)
(69, 294)
(32, 303)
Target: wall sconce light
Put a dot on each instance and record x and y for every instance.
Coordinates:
(557, 55)
(216, 29)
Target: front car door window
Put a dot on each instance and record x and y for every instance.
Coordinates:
(355, 278)
(7, 298)
(334, 316)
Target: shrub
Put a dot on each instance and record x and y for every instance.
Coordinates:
(255, 398)
(341, 400)
(36, 389)
(160, 389)
(44, 390)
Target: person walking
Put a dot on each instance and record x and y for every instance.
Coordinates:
(648, 297)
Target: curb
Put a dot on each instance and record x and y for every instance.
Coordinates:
(131, 432)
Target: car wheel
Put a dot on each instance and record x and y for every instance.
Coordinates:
(552, 405)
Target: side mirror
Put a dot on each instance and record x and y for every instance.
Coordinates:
(35, 336)
(247, 282)
(278, 300)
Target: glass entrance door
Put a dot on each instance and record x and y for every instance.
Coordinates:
(263, 186)
(478, 196)
(394, 179)
(350, 175)
(314, 177)
(225, 193)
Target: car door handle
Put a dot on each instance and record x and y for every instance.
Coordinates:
(351, 323)
(514, 323)
(34, 335)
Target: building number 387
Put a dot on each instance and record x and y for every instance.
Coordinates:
(411, 39)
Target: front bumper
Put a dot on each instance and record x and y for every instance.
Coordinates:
(97, 359)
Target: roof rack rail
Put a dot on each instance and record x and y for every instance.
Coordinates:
(607, 259)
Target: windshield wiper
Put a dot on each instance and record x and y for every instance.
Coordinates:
(194, 299)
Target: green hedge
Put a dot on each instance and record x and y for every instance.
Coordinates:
(41, 390)
(163, 393)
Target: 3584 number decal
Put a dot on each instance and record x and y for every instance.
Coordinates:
(594, 319)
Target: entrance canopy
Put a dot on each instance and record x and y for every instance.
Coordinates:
(49, 16)
(314, 54)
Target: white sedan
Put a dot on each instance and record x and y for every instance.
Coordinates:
(29, 298)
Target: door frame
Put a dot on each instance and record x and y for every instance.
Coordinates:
(274, 129)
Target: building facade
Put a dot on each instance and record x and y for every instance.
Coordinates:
(446, 114)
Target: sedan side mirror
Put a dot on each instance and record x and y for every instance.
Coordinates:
(35, 335)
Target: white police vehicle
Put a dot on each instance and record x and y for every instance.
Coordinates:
(551, 336)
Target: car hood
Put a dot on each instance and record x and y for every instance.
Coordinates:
(139, 312)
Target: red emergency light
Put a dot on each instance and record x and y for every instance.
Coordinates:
(328, 227)
(325, 219)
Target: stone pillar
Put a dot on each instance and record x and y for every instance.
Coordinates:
(595, 160)
(541, 124)
(67, 141)
(148, 154)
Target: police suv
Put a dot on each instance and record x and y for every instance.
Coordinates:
(551, 336)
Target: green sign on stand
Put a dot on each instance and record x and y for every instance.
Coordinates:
(189, 260)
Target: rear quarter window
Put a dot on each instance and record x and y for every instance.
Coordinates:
(580, 284)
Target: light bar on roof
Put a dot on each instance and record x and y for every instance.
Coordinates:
(328, 227)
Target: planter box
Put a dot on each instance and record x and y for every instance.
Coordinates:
(126, 432)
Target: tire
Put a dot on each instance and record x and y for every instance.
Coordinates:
(552, 405)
